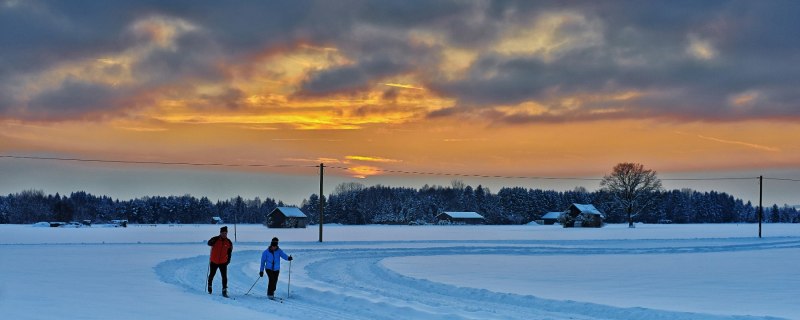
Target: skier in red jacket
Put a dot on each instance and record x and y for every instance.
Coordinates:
(221, 250)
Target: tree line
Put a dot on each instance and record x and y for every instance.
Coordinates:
(354, 203)
(32, 206)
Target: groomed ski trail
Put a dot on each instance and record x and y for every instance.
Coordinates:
(352, 283)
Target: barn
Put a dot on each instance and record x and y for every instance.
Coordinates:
(450, 217)
(119, 223)
(583, 215)
(287, 217)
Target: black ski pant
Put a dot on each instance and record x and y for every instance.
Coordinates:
(223, 270)
(273, 281)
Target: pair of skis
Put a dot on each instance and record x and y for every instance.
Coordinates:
(276, 299)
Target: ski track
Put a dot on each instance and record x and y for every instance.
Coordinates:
(338, 283)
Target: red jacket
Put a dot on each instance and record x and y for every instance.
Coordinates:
(221, 250)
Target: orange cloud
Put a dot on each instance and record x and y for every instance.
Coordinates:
(740, 143)
(363, 172)
(371, 159)
(404, 86)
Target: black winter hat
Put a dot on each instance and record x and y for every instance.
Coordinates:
(223, 229)
(274, 242)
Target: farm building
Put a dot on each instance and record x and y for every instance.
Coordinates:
(551, 217)
(583, 215)
(119, 223)
(287, 217)
(460, 218)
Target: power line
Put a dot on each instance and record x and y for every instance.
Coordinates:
(535, 177)
(470, 175)
(220, 164)
(706, 179)
(156, 162)
(782, 179)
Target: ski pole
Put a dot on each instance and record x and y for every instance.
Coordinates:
(251, 287)
(208, 272)
(289, 284)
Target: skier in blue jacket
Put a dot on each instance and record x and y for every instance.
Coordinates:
(271, 262)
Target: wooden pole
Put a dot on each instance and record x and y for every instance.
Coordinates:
(321, 202)
(760, 205)
(236, 219)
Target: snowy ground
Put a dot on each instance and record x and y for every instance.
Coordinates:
(407, 272)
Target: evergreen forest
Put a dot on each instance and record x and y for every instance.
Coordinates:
(355, 204)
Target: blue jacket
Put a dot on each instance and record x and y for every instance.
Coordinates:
(270, 260)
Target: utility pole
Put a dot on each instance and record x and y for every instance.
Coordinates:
(321, 202)
(760, 205)
(236, 216)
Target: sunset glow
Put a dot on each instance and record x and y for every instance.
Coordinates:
(486, 88)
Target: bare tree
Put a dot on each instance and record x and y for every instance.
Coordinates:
(347, 187)
(632, 188)
(457, 184)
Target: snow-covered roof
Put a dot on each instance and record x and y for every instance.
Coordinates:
(552, 215)
(291, 212)
(587, 208)
(463, 215)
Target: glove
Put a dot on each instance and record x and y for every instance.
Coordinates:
(290, 258)
(261, 273)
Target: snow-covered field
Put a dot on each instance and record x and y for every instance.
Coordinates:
(407, 272)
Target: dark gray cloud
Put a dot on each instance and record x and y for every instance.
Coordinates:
(35, 37)
(751, 53)
(231, 99)
(646, 49)
(388, 57)
(74, 99)
(195, 56)
(445, 112)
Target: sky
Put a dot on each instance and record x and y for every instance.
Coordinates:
(379, 90)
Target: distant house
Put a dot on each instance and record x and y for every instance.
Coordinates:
(449, 217)
(216, 220)
(551, 217)
(119, 223)
(583, 215)
(287, 217)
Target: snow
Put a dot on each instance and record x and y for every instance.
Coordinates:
(463, 215)
(291, 212)
(552, 215)
(587, 208)
(407, 272)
